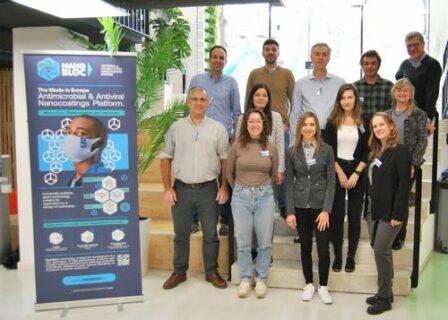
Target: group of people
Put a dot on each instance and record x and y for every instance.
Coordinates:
(319, 148)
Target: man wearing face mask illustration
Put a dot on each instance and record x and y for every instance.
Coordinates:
(86, 136)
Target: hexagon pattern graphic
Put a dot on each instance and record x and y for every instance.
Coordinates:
(48, 69)
(87, 237)
(118, 235)
(55, 238)
(109, 195)
(114, 124)
(50, 178)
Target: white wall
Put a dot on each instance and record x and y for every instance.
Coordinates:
(42, 38)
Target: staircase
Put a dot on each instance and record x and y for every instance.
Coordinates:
(153, 205)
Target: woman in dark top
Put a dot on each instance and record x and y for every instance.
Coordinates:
(310, 181)
(389, 172)
(346, 133)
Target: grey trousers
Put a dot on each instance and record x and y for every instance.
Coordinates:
(189, 201)
(382, 239)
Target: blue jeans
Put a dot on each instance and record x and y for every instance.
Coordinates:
(253, 208)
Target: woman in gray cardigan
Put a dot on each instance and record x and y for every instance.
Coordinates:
(411, 123)
(310, 187)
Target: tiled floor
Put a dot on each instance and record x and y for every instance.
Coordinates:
(197, 299)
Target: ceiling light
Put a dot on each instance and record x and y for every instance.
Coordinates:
(74, 8)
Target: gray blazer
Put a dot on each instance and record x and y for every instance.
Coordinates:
(310, 187)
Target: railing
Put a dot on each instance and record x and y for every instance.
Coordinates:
(417, 227)
(137, 20)
(435, 153)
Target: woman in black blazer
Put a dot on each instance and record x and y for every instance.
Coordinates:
(389, 172)
(346, 133)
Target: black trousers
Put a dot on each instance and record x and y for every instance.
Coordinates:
(306, 225)
(355, 204)
(402, 234)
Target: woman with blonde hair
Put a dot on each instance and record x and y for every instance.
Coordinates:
(310, 183)
(388, 184)
(411, 123)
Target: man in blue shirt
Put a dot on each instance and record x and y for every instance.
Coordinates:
(224, 107)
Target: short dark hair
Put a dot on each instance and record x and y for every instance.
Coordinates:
(370, 53)
(216, 47)
(271, 41)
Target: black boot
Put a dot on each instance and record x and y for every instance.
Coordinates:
(337, 264)
(373, 299)
(381, 305)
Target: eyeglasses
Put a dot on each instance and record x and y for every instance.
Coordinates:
(413, 45)
(201, 100)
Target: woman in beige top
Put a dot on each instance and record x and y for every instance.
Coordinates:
(252, 166)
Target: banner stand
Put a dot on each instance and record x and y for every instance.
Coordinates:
(67, 305)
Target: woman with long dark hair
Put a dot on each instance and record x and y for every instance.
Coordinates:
(346, 132)
(252, 166)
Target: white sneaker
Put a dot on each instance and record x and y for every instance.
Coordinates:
(260, 289)
(324, 295)
(244, 289)
(308, 292)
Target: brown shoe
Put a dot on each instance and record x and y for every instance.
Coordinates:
(174, 280)
(216, 280)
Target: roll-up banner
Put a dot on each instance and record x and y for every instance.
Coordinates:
(82, 137)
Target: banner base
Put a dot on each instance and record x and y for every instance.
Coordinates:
(64, 305)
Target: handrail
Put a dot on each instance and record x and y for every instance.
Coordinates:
(137, 20)
(435, 151)
(417, 228)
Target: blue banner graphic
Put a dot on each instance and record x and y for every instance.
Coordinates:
(82, 131)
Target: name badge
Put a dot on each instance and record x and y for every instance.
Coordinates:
(362, 129)
(264, 153)
(377, 162)
(311, 162)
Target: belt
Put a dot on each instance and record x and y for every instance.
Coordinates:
(345, 161)
(195, 186)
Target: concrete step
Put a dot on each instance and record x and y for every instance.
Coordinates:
(281, 228)
(288, 274)
(285, 249)
(152, 203)
(442, 139)
(161, 248)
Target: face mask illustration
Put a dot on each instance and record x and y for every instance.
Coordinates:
(79, 149)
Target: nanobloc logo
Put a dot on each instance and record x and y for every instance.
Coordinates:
(75, 69)
(48, 69)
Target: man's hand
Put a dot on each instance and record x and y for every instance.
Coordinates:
(430, 127)
(222, 196)
(170, 197)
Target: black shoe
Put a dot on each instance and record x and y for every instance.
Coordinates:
(337, 265)
(350, 264)
(296, 239)
(381, 305)
(373, 299)
(398, 244)
(194, 227)
(224, 230)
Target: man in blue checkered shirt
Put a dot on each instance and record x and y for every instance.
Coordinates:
(374, 91)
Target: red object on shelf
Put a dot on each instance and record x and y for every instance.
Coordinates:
(13, 202)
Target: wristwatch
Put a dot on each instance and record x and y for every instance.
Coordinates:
(358, 172)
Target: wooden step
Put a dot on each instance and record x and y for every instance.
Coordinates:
(152, 203)
(161, 249)
(288, 274)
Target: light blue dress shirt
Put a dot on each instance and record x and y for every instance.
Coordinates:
(224, 98)
(318, 96)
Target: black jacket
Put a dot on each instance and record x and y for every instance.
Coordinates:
(362, 148)
(391, 181)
